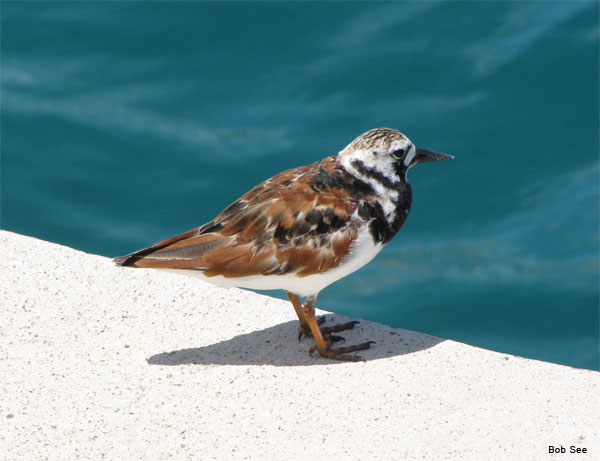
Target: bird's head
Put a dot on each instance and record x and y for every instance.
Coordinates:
(386, 151)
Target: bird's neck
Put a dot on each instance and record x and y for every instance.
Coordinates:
(391, 192)
(402, 208)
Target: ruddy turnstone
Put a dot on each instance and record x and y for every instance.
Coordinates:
(303, 229)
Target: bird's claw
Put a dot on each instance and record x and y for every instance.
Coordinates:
(306, 333)
(340, 353)
(340, 327)
(335, 338)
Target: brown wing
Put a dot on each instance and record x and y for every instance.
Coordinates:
(300, 221)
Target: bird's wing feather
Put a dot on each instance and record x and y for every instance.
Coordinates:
(301, 221)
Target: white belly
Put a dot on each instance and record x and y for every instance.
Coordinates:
(361, 252)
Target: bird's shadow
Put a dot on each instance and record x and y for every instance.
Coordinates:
(279, 346)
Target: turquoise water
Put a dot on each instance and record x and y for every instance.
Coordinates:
(125, 123)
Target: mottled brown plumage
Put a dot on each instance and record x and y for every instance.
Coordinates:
(290, 223)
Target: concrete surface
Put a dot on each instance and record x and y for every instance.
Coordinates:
(101, 362)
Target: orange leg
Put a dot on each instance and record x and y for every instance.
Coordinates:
(304, 328)
(306, 314)
(309, 314)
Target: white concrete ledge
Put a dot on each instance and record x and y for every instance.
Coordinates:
(104, 362)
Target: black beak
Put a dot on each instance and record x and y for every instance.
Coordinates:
(424, 155)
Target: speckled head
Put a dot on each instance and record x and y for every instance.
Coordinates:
(378, 141)
(386, 146)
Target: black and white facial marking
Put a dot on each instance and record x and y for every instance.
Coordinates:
(381, 158)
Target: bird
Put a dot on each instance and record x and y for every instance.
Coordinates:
(303, 229)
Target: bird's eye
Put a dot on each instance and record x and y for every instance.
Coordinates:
(399, 153)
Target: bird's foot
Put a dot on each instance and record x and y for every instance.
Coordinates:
(339, 327)
(305, 329)
(340, 353)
